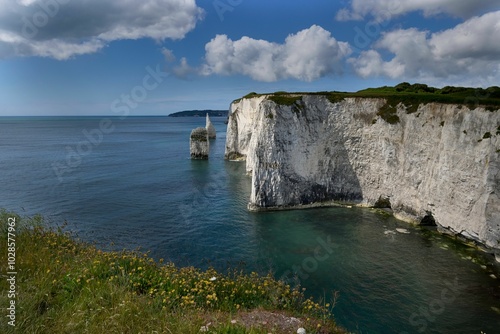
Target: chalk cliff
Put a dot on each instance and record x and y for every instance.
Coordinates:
(199, 146)
(440, 162)
(210, 128)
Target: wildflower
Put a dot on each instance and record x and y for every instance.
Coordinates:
(213, 278)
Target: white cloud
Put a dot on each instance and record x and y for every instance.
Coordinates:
(386, 9)
(469, 50)
(168, 54)
(62, 28)
(307, 55)
(183, 70)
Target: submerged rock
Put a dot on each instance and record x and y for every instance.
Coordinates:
(210, 129)
(199, 145)
(402, 230)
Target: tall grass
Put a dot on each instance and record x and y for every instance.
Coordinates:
(66, 286)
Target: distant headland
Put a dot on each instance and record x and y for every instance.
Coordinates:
(200, 113)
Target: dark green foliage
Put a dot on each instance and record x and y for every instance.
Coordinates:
(388, 113)
(413, 95)
(451, 90)
(199, 134)
(487, 135)
(284, 100)
(421, 88)
(335, 98)
(410, 95)
(402, 87)
(250, 95)
(270, 116)
(412, 107)
(493, 92)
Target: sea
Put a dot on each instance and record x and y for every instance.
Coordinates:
(129, 183)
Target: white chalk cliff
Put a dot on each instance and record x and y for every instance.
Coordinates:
(441, 161)
(210, 128)
(199, 146)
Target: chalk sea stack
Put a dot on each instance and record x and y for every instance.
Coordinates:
(210, 129)
(199, 144)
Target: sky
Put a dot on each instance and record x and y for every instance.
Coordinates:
(155, 57)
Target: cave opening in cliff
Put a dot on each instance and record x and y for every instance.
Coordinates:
(428, 220)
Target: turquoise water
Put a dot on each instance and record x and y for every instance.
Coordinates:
(135, 186)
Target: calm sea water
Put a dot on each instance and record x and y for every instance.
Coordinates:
(135, 186)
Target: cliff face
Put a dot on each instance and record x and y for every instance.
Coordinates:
(440, 162)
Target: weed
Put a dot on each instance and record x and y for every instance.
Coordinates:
(66, 286)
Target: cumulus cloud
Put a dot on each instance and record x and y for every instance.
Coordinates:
(470, 49)
(62, 28)
(385, 9)
(307, 55)
(184, 70)
(168, 54)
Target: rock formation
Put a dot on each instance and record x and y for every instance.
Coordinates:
(438, 163)
(210, 129)
(199, 145)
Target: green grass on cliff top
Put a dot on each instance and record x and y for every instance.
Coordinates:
(410, 95)
(66, 286)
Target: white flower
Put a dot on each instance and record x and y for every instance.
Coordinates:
(301, 331)
(213, 278)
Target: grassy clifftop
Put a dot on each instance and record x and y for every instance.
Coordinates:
(65, 286)
(405, 93)
(411, 96)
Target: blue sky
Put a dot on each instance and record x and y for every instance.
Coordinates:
(155, 57)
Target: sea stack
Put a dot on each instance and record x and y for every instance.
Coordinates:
(210, 129)
(199, 144)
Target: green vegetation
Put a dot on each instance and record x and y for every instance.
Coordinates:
(284, 99)
(250, 95)
(66, 286)
(487, 135)
(199, 134)
(388, 112)
(335, 98)
(406, 94)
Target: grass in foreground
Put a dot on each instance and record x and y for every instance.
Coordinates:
(66, 286)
